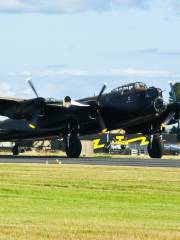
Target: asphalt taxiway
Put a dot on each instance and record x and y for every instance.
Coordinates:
(94, 161)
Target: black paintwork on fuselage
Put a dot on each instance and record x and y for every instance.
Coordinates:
(131, 110)
(125, 110)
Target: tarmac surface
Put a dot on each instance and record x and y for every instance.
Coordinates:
(93, 161)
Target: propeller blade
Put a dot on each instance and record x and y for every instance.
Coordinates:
(32, 125)
(101, 92)
(34, 122)
(101, 122)
(172, 91)
(32, 86)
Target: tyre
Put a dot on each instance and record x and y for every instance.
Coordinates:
(15, 150)
(155, 149)
(73, 147)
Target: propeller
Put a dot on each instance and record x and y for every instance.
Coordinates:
(35, 117)
(173, 94)
(101, 122)
(67, 102)
(101, 92)
(99, 116)
(34, 121)
(40, 103)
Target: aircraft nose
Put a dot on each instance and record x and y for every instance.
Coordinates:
(159, 104)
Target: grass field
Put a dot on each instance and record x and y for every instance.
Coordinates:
(88, 202)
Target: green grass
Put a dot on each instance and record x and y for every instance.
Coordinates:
(88, 202)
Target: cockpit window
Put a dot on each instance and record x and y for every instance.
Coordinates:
(129, 88)
(154, 92)
(139, 85)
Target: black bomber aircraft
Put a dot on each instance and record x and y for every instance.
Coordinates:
(134, 108)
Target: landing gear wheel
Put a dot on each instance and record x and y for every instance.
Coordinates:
(15, 150)
(155, 148)
(73, 146)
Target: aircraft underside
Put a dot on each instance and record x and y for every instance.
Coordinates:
(71, 133)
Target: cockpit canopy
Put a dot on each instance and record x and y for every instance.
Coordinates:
(130, 87)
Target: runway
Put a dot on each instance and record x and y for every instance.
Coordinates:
(94, 161)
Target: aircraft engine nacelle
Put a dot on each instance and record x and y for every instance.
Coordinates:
(67, 102)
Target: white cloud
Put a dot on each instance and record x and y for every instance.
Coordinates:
(140, 73)
(68, 6)
(111, 72)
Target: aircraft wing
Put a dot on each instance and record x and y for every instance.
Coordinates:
(31, 109)
(15, 108)
(19, 108)
(57, 113)
(7, 104)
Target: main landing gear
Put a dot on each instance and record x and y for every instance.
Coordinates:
(73, 145)
(155, 146)
(15, 150)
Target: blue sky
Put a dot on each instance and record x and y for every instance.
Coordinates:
(70, 47)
